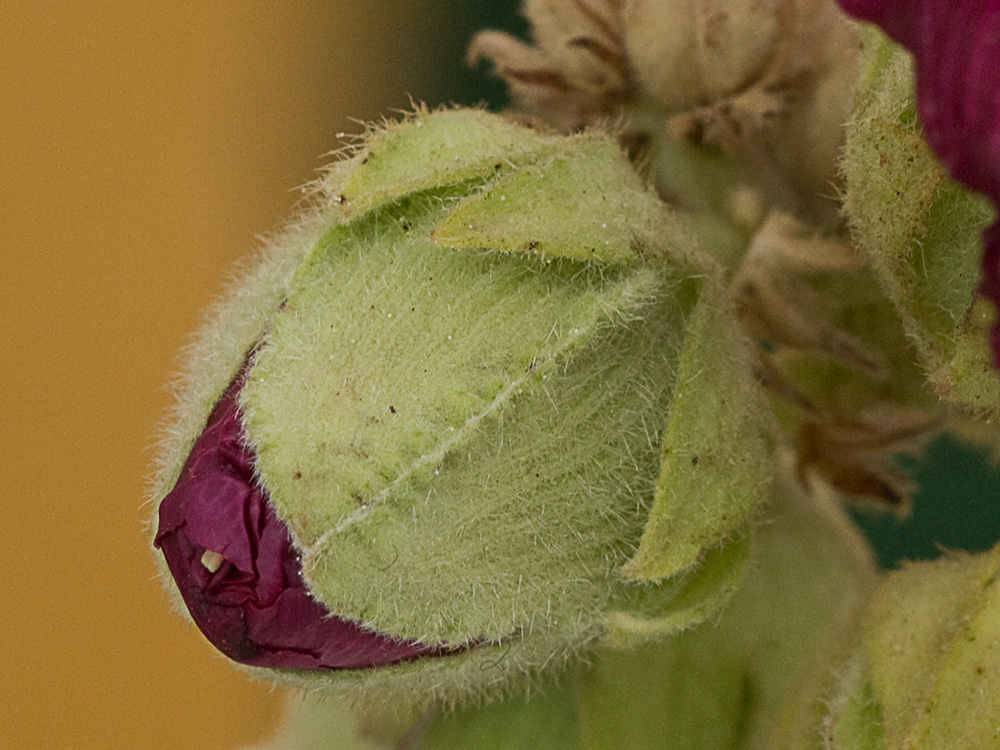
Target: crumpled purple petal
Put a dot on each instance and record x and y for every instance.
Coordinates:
(956, 45)
(254, 607)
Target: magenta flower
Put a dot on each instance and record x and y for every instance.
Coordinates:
(956, 44)
(239, 574)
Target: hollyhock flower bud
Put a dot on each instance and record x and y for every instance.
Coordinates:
(956, 49)
(427, 433)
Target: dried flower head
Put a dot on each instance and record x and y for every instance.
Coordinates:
(767, 81)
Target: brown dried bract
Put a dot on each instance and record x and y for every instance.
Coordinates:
(850, 428)
(856, 456)
(779, 306)
(577, 71)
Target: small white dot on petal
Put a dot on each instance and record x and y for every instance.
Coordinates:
(212, 560)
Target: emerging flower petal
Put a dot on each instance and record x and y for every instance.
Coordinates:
(238, 572)
(957, 50)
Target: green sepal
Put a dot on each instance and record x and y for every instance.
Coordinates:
(431, 150)
(584, 201)
(932, 640)
(925, 673)
(684, 601)
(969, 378)
(539, 389)
(919, 229)
(716, 462)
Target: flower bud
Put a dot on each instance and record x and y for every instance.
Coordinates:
(434, 420)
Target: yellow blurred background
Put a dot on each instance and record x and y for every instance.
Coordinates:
(146, 146)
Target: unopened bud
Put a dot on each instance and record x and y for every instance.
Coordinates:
(435, 420)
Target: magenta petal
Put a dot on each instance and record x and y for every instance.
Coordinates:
(991, 281)
(215, 508)
(956, 45)
(897, 18)
(958, 88)
(254, 607)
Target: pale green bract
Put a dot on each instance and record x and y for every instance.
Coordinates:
(463, 383)
(920, 231)
(923, 674)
